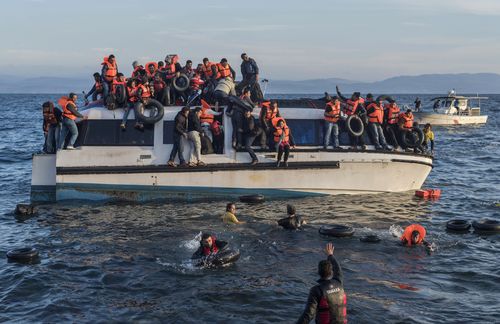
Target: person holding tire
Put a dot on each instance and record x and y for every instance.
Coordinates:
(327, 301)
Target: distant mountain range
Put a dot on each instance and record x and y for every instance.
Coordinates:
(426, 83)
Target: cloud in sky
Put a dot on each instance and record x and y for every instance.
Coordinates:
(356, 39)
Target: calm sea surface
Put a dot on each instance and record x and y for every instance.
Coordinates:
(130, 262)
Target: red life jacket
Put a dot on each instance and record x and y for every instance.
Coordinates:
(214, 249)
(111, 71)
(334, 114)
(377, 115)
(392, 112)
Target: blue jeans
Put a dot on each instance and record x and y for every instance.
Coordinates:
(68, 126)
(177, 149)
(377, 135)
(52, 140)
(329, 129)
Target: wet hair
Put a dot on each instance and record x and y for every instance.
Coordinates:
(243, 55)
(229, 205)
(224, 60)
(96, 74)
(205, 59)
(325, 269)
(290, 209)
(205, 236)
(111, 56)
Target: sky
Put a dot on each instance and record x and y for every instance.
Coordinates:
(361, 40)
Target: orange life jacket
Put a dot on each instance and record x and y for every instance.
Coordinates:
(408, 230)
(407, 120)
(392, 113)
(64, 102)
(145, 91)
(271, 113)
(155, 65)
(333, 115)
(280, 132)
(351, 106)
(223, 72)
(49, 116)
(132, 94)
(111, 71)
(207, 69)
(376, 116)
(206, 117)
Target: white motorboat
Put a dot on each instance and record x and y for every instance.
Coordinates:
(453, 110)
(131, 165)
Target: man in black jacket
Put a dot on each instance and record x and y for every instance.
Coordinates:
(327, 300)
(250, 74)
(252, 130)
(194, 135)
(180, 131)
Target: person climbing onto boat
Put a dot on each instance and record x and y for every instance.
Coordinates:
(70, 114)
(418, 104)
(375, 111)
(327, 301)
(292, 221)
(332, 117)
(269, 111)
(108, 73)
(97, 88)
(180, 131)
(194, 135)
(224, 70)
(414, 234)
(391, 118)
(353, 106)
(252, 130)
(229, 216)
(208, 245)
(283, 140)
(428, 138)
(250, 75)
(52, 118)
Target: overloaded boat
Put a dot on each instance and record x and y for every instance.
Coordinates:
(453, 110)
(131, 164)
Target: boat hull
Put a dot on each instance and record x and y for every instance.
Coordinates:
(447, 120)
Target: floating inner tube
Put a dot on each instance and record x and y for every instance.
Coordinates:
(487, 226)
(371, 238)
(458, 225)
(221, 258)
(23, 254)
(252, 199)
(120, 95)
(413, 141)
(354, 125)
(181, 82)
(336, 230)
(156, 111)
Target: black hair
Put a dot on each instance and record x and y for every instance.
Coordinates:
(325, 269)
(290, 209)
(228, 206)
(204, 236)
(96, 74)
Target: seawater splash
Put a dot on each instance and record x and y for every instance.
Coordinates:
(396, 230)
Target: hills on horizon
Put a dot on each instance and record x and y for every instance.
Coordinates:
(419, 84)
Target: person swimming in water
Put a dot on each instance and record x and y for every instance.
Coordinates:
(208, 246)
(414, 234)
(292, 221)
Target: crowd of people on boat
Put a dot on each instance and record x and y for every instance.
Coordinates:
(204, 90)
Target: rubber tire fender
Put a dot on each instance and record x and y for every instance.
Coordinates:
(23, 254)
(183, 86)
(252, 199)
(458, 225)
(336, 230)
(490, 226)
(351, 121)
(152, 103)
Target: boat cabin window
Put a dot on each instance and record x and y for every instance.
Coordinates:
(108, 133)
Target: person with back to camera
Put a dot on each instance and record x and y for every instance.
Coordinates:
(327, 300)
(292, 221)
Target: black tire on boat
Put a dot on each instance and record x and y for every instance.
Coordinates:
(153, 105)
(371, 238)
(336, 230)
(490, 226)
(252, 199)
(181, 83)
(419, 137)
(458, 225)
(23, 254)
(121, 95)
(354, 125)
